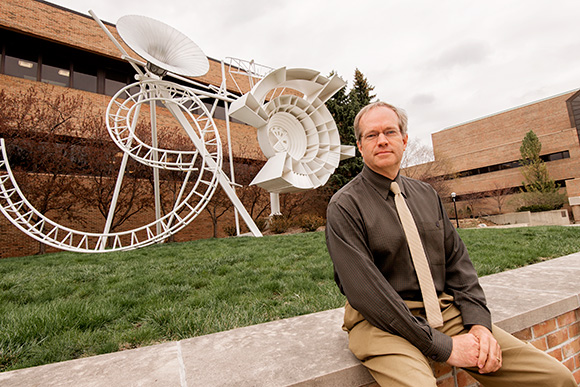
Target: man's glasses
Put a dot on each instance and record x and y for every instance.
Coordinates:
(389, 134)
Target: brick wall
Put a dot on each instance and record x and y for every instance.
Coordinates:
(486, 137)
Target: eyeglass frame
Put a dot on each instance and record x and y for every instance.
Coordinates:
(389, 134)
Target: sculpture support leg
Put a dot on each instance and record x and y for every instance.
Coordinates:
(275, 204)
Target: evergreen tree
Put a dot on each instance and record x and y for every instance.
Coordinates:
(534, 169)
(540, 191)
(360, 94)
(344, 107)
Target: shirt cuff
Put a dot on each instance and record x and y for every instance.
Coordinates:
(475, 316)
(441, 348)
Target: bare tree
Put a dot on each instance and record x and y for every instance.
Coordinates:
(472, 200)
(218, 206)
(256, 199)
(172, 183)
(103, 166)
(416, 153)
(38, 126)
(63, 157)
(418, 164)
(500, 195)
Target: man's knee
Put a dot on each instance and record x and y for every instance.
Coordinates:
(401, 370)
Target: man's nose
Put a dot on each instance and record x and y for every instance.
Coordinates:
(382, 138)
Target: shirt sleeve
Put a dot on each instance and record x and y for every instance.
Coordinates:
(461, 279)
(369, 292)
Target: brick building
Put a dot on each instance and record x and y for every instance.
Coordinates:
(479, 159)
(49, 47)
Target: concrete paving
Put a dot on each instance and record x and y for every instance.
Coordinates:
(309, 350)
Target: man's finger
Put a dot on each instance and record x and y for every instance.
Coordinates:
(483, 352)
(494, 361)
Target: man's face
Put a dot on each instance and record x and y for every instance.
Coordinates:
(381, 143)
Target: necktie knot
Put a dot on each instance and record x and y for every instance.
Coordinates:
(395, 188)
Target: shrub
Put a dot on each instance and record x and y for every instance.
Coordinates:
(230, 230)
(261, 223)
(537, 208)
(311, 222)
(279, 224)
(541, 201)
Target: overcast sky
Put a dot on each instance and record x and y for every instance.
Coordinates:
(446, 62)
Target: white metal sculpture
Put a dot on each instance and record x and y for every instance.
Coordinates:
(296, 133)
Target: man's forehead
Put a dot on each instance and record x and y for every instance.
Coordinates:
(380, 116)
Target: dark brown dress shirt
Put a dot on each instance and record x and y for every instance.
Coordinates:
(373, 266)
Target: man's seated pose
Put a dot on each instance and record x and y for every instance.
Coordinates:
(412, 291)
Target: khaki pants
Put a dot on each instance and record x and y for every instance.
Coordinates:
(393, 361)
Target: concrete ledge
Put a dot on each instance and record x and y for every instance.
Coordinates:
(300, 351)
(530, 295)
(309, 350)
(554, 217)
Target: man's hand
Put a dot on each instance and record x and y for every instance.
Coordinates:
(465, 352)
(478, 348)
(489, 359)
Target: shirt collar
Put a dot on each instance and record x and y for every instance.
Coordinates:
(381, 183)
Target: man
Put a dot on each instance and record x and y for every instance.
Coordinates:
(389, 329)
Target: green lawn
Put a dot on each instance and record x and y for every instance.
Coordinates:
(64, 306)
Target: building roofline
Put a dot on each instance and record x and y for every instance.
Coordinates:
(87, 16)
(573, 96)
(510, 109)
(72, 11)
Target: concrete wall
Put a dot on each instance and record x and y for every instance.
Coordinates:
(544, 218)
(573, 190)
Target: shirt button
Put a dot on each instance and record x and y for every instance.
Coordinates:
(434, 357)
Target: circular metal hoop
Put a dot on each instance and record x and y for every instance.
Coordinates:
(123, 113)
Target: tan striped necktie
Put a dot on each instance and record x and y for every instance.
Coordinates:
(419, 259)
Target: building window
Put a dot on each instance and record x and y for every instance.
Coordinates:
(114, 81)
(556, 156)
(21, 67)
(39, 60)
(84, 77)
(55, 71)
(55, 75)
(512, 164)
(20, 57)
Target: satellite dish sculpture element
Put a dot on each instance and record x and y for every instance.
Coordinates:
(296, 133)
(163, 47)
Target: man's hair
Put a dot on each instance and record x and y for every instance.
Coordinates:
(401, 114)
